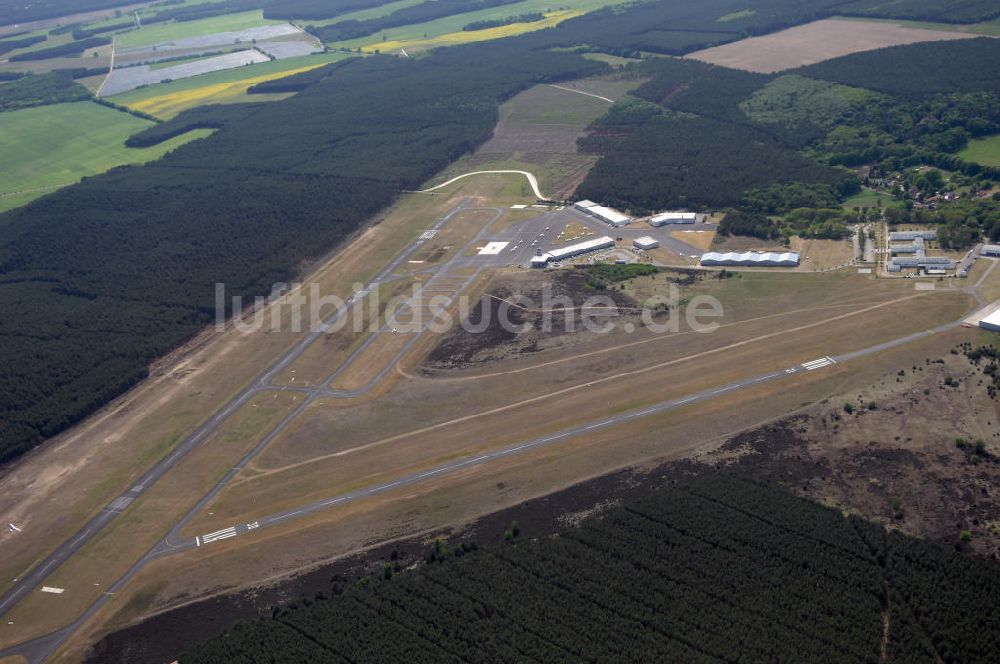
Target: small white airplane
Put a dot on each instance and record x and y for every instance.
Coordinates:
(13, 528)
(395, 331)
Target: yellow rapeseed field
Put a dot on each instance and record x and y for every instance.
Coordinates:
(468, 36)
(168, 105)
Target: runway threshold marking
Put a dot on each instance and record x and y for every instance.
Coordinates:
(225, 533)
(819, 364)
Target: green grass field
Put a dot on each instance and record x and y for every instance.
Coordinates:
(869, 199)
(44, 148)
(365, 14)
(160, 32)
(985, 151)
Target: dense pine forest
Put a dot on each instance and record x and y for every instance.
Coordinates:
(723, 570)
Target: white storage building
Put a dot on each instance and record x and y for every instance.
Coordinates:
(751, 258)
(909, 236)
(584, 206)
(673, 218)
(609, 216)
(990, 250)
(570, 251)
(991, 322)
(645, 242)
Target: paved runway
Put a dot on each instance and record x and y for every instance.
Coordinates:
(520, 234)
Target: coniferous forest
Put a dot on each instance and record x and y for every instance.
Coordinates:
(723, 570)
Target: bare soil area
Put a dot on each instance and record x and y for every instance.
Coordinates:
(557, 326)
(815, 42)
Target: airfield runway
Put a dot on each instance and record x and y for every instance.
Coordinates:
(517, 251)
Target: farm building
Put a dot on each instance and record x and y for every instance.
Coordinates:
(645, 242)
(751, 258)
(910, 236)
(570, 251)
(673, 218)
(991, 322)
(990, 250)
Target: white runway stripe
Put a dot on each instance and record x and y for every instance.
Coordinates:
(225, 533)
(819, 364)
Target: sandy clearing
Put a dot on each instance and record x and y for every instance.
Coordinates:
(815, 42)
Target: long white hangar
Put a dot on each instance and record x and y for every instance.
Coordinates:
(751, 259)
(572, 250)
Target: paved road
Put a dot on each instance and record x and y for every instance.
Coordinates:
(532, 180)
(39, 649)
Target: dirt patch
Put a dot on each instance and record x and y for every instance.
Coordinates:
(517, 299)
(815, 42)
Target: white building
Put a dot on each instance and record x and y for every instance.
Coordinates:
(645, 242)
(751, 258)
(990, 250)
(570, 251)
(609, 216)
(991, 322)
(910, 236)
(673, 218)
(583, 206)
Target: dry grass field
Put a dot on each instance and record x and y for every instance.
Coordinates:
(537, 132)
(701, 239)
(815, 42)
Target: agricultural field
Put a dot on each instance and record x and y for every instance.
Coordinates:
(129, 78)
(815, 42)
(42, 149)
(166, 100)
(366, 14)
(448, 31)
(989, 28)
(171, 31)
(985, 151)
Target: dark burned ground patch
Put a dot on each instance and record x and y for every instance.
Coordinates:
(567, 289)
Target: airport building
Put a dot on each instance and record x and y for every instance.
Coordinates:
(990, 250)
(571, 251)
(991, 322)
(914, 255)
(751, 259)
(910, 236)
(608, 215)
(665, 218)
(645, 242)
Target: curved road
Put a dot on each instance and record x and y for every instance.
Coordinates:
(532, 180)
